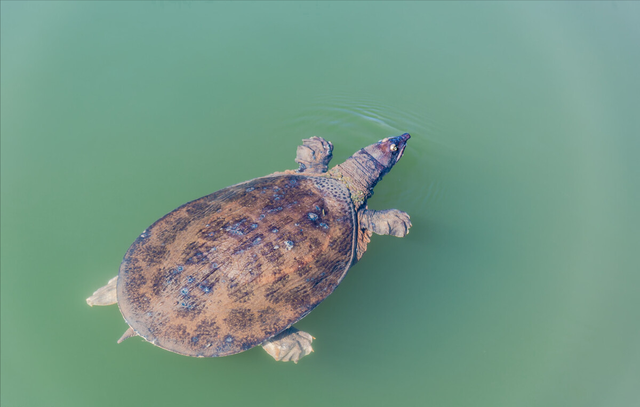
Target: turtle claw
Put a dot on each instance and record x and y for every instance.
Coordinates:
(314, 155)
(289, 345)
(106, 295)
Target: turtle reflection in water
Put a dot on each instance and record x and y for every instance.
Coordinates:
(235, 269)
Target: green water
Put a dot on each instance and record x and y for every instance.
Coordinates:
(519, 284)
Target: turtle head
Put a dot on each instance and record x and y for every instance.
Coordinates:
(363, 170)
(388, 151)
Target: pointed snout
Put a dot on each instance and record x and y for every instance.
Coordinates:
(401, 142)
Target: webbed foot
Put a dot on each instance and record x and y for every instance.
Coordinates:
(106, 295)
(290, 344)
(314, 155)
(388, 222)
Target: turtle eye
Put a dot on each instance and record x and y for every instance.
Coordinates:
(393, 147)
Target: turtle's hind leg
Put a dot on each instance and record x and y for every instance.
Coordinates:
(106, 295)
(290, 344)
(314, 155)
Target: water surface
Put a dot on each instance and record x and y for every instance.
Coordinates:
(518, 285)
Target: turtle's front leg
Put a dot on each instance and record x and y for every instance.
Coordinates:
(290, 344)
(314, 155)
(106, 295)
(388, 222)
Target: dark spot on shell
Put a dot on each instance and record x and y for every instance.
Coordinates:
(198, 210)
(167, 237)
(135, 280)
(207, 329)
(314, 243)
(303, 270)
(133, 286)
(269, 319)
(193, 253)
(243, 294)
(273, 292)
(190, 307)
(195, 339)
(161, 280)
(153, 254)
(180, 224)
(273, 257)
(176, 332)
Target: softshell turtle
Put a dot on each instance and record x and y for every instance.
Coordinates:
(235, 269)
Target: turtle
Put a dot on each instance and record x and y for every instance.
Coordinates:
(237, 268)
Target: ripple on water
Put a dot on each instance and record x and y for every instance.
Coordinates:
(354, 122)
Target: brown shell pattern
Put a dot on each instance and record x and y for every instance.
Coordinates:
(225, 272)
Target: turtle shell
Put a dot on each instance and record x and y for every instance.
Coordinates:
(225, 272)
